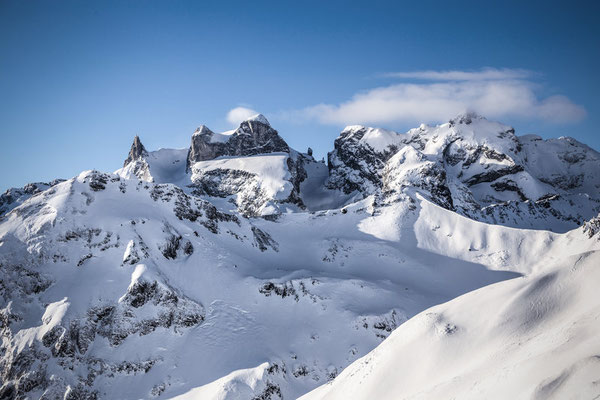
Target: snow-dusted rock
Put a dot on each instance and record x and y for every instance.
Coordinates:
(263, 184)
(476, 167)
(253, 136)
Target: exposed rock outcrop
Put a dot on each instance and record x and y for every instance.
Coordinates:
(254, 136)
(477, 167)
(137, 151)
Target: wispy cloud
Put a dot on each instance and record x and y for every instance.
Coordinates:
(238, 115)
(480, 75)
(495, 93)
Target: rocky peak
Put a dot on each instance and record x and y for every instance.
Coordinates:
(253, 136)
(351, 132)
(259, 118)
(137, 151)
(203, 130)
(352, 165)
(465, 118)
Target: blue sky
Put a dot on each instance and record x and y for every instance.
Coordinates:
(79, 79)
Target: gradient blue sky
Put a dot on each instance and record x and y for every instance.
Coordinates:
(78, 79)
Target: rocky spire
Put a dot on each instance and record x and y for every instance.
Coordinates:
(137, 151)
(203, 130)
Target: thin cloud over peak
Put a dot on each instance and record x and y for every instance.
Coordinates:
(495, 93)
(237, 115)
(456, 75)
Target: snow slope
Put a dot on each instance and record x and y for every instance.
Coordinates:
(301, 293)
(163, 166)
(534, 337)
(14, 197)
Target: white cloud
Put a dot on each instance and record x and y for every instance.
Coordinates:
(492, 93)
(483, 74)
(238, 115)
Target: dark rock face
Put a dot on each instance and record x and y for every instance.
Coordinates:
(592, 227)
(354, 166)
(191, 208)
(98, 181)
(357, 167)
(221, 182)
(255, 137)
(270, 391)
(137, 151)
(299, 174)
(491, 176)
(252, 137)
(202, 148)
(148, 305)
(263, 240)
(509, 185)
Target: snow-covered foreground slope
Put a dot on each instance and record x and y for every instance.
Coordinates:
(130, 289)
(241, 268)
(534, 337)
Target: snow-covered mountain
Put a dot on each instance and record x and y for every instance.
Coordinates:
(475, 167)
(241, 268)
(251, 167)
(530, 338)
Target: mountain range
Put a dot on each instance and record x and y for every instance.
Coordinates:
(450, 261)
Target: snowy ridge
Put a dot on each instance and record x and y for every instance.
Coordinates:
(534, 337)
(14, 197)
(241, 268)
(475, 167)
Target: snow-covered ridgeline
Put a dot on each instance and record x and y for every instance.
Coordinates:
(159, 280)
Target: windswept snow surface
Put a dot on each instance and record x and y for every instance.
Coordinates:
(535, 337)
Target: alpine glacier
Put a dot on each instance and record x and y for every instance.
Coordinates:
(451, 261)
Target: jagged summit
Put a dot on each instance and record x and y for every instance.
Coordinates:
(137, 151)
(202, 130)
(466, 118)
(258, 118)
(254, 136)
(224, 136)
(474, 166)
